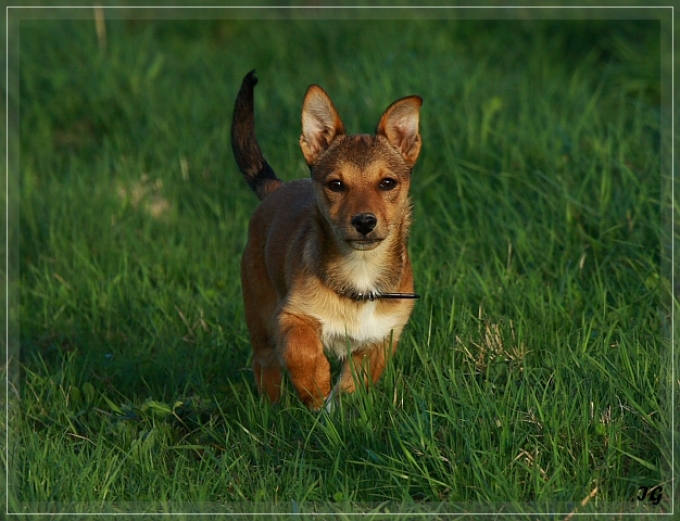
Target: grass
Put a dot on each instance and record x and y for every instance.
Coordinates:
(531, 375)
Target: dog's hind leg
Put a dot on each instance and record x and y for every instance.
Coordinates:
(266, 365)
(267, 370)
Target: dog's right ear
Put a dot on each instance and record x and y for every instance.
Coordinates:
(320, 123)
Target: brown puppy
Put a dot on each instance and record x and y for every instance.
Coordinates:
(326, 264)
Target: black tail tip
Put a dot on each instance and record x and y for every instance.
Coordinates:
(250, 79)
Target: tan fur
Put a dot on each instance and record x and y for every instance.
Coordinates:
(304, 253)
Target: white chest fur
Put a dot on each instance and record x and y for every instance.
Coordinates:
(361, 269)
(342, 335)
(347, 327)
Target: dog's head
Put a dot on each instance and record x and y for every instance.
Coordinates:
(361, 182)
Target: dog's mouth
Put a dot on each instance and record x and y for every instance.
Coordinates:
(364, 244)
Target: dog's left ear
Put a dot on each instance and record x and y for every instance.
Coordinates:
(399, 124)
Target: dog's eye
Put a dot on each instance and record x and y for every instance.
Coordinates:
(387, 184)
(335, 186)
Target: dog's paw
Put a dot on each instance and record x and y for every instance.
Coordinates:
(331, 402)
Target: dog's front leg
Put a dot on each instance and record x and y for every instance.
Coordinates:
(302, 352)
(364, 365)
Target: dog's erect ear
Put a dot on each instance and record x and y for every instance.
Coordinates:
(399, 124)
(320, 123)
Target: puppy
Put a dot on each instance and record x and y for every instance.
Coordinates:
(326, 267)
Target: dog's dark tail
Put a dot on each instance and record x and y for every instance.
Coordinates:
(255, 169)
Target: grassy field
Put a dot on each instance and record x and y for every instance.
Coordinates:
(533, 374)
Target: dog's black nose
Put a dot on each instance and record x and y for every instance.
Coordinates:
(364, 222)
